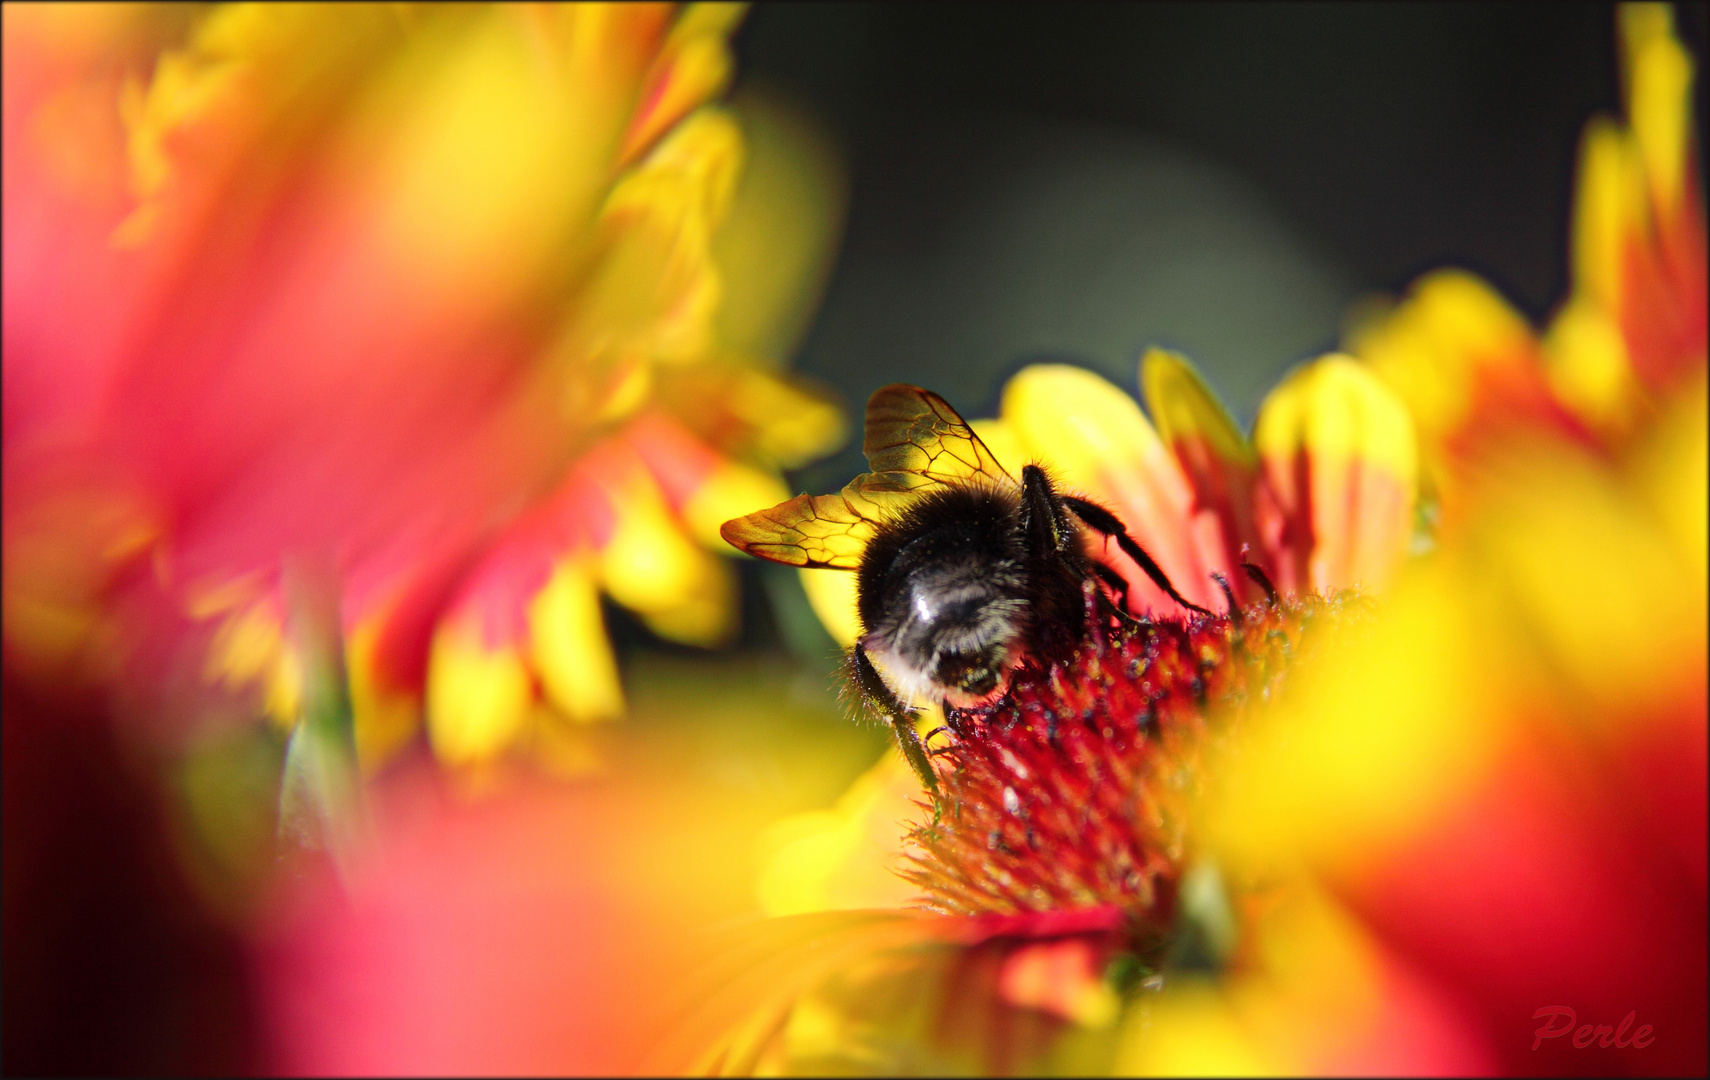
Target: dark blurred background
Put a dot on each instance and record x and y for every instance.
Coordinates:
(1077, 181)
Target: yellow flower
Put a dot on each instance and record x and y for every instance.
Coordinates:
(430, 297)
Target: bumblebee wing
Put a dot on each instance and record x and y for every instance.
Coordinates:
(816, 531)
(915, 439)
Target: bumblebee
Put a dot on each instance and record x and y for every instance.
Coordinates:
(963, 573)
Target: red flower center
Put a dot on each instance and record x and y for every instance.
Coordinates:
(1074, 789)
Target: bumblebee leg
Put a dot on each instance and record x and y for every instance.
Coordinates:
(876, 693)
(1101, 520)
(1119, 585)
(1229, 596)
(1261, 579)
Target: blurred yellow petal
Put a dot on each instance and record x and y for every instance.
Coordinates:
(832, 594)
(662, 213)
(63, 541)
(1609, 211)
(490, 137)
(1340, 460)
(729, 491)
(774, 251)
(694, 65)
(1318, 997)
(654, 290)
(1673, 473)
(243, 92)
(568, 645)
(1063, 978)
(1450, 334)
(478, 698)
(847, 857)
(1389, 723)
(1584, 571)
(680, 589)
(1658, 96)
(1639, 249)
(1192, 1032)
(784, 422)
(1588, 366)
(248, 649)
(1001, 439)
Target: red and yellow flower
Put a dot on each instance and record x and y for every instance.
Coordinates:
(429, 296)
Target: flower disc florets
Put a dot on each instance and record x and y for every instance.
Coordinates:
(1073, 790)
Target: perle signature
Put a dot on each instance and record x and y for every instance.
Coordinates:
(1603, 1034)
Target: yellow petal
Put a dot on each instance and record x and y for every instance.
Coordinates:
(785, 422)
(251, 84)
(1434, 347)
(1215, 457)
(1376, 734)
(248, 649)
(1589, 582)
(844, 858)
(1187, 411)
(64, 539)
(832, 595)
(478, 698)
(704, 616)
(775, 249)
(680, 589)
(654, 291)
(1658, 97)
(568, 645)
(729, 491)
(1334, 425)
(1193, 1031)
(1001, 439)
(1673, 473)
(1609, 211)
(1589, 368)
(1062, 978)
(693, 67)
(1314, 999)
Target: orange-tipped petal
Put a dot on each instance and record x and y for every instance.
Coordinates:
(785, 422)
(1657, 95)
(654, 290)
(1467, 366)
(1636, 322)
(1097, 441)
(1064, 978)
(1338, 453)
(1214, 455)
(386, 715)
(704, 488)
(692, 68)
